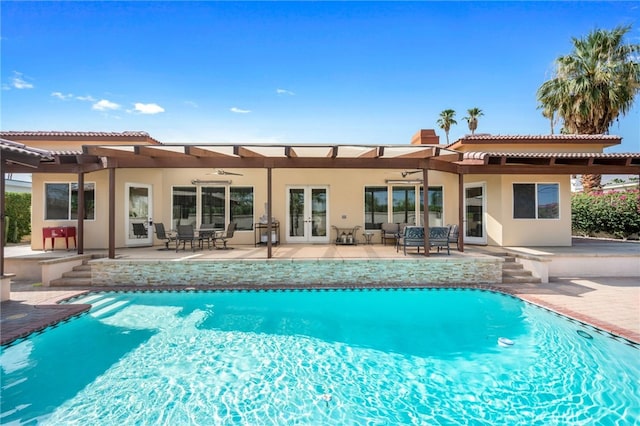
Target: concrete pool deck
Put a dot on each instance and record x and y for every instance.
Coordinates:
(609, 303)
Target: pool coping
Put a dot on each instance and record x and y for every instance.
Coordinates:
(51, 314)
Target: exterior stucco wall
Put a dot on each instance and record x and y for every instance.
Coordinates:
(345, 190)
(503, 230)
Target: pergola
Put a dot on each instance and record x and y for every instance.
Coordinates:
(415, 158)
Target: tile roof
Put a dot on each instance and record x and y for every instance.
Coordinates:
(79, 134)
(481, 155)
(19, 148)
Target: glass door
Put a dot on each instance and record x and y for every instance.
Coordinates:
(474, 214)
(138, 221)
(307, 214)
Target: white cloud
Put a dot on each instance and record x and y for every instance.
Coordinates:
(191, 104)
(62, 96)
(105, 105)
(284, 92)
(86, 98)
(148, 108)
(239, 111)
(20, 83)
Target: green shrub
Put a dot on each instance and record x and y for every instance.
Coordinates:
(613, 213)
(18, 216)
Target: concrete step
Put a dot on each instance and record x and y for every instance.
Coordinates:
(512, 266)
(70, 282)
(77, 274)
(514, 279)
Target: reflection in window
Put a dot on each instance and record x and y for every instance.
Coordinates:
(61, 201)
(435, 205)
(241, 207)
(376, 206)
(184, 206)
(536, 201)
(404, 204)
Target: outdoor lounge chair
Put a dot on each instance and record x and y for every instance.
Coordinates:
(389, 231)
(413, 236)
(223, 236)
(187, 234)
(439, 237)
(161, 234)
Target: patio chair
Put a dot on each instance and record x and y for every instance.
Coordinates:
(187, 234)
(161, 234)
(412, 236)
(389, 231)
(223, 236)
(139, 231)
(439, 238)
(454, 233)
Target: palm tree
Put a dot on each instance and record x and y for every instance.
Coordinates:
(446, 120)
(472, 118)
(593, 85)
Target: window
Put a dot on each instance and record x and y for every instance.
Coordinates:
(376, 206)
(61, 201)
(184, 206)
(405, 209)
(241, 207)
(435, 205)
(536, 201)
(404, 204)
(215, 205)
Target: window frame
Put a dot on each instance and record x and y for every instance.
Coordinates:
(536, 200)
(418, 211)
(227, 203)
(71, 214)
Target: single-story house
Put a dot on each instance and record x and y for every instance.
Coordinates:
(502, 190)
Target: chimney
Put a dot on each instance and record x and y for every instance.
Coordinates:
(425, 137)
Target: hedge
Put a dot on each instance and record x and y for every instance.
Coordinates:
(616, 213)
(18, 216)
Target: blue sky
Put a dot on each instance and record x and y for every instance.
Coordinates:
(300, 72)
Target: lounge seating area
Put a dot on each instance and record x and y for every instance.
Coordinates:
(413, 236)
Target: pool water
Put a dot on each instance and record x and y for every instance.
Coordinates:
(379, 357)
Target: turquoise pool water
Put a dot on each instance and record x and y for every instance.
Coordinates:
(379, 357)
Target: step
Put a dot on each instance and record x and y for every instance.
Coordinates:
(512, 266)
(83, 267)
(77, 274)
(518, 279)
(70, 282)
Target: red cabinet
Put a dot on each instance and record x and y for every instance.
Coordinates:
(54, 232)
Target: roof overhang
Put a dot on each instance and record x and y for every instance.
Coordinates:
(251, 156)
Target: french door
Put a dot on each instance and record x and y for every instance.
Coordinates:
(138, 215)
(475, 231)
(307, 214)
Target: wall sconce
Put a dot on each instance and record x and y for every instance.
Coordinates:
(404, 182)
(210, 182)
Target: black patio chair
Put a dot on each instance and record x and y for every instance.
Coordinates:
(223, 236)
(139, 231)
(162, 235)
(187, 234)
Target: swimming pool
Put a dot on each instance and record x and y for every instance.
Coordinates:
(319, 357)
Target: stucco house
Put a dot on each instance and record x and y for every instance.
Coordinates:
(502, 190)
